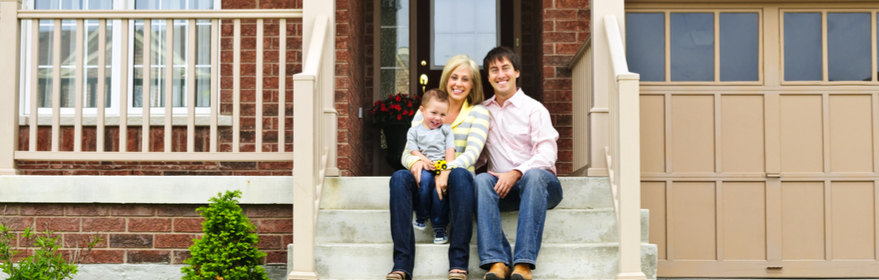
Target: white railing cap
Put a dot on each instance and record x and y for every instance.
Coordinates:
(163, 14)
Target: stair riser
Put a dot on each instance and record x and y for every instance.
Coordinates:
(373, 193)
(557, 261)
(562, 226)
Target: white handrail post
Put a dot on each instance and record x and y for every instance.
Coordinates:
(602, 79)
(629, 177)
(10, 63)
(303, 177)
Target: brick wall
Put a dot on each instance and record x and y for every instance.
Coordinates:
(351, 93)
(137, 234)
(565, 27)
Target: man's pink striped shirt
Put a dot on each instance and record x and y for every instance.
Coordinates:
(520, 136)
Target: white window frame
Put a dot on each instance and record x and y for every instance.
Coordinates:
(115, 66)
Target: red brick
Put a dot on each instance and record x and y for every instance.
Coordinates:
(269, 211)
(559, 14)
(8, 209)
(131, 240)
(103, 224)
(268, 242)
(133, 210)
(31, 242)
(276, 257)
(178, 256)
(174, 240)
(81, 240)
(149, 256)
(42, 210)
(18, 223)
(567, 3)
(188, 224)
(104, 256)
(177, 210)
(275, 226)
(57, 224)
(149, 224)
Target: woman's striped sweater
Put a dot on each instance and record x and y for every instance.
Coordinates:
(471, 130)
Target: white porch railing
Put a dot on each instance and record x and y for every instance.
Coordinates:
(622, 151)
(11, 21)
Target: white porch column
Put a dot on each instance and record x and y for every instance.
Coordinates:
(9, 90)
(311, 9)
(602, 79)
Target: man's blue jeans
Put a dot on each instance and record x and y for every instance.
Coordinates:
(534, 193)
(429, 205)
(404, 191)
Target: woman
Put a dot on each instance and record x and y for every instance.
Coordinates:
(469, 121)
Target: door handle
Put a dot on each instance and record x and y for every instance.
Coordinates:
(423, 82)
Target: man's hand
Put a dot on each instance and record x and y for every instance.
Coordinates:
(442, 182)
(505, 181)
(416, 171)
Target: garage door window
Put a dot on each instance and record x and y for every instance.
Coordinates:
(828, 46)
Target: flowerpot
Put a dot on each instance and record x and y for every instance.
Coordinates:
(395, 135)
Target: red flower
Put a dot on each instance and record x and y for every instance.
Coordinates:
(390, 96)
(399, 117)
(398, 98)
(410, 104)
(376, 103)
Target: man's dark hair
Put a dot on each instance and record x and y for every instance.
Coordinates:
(434, 94)
(498, 54)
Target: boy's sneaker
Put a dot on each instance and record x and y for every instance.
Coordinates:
(419, 224)
(440, 237)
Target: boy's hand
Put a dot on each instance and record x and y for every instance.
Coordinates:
(428, 164)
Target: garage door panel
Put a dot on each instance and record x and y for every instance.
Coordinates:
(801, 125)
(653, 198)
(692, 128)
(653, 133)
(852, 222)
(694, 221)
(851, 133)
(744, 221)
(802, 220)
(742, 133)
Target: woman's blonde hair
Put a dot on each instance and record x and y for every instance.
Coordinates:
(476, 96)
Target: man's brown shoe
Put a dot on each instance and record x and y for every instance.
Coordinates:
(499, 271)
(522, 271)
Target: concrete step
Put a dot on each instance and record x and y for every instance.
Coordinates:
(575, 226)
(556, 261)
(373, 193)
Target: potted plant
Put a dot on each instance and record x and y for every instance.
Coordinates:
(393, 116)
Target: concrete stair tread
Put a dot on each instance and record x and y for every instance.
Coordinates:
(562, 226)
(556, 261)
(373, 193)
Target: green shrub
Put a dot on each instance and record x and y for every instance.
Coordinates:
(228, 248)
(46, 263)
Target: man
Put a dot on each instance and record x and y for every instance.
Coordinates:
(521, 151)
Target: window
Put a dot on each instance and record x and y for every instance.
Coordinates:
(848, 38)
(694, 46)
(463, 27)
(134, 83)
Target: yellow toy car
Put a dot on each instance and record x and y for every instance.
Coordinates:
(440, 165)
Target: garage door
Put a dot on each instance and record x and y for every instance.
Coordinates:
(759, 130)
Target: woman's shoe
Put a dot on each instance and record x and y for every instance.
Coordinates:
(397, 275)
(457, 275)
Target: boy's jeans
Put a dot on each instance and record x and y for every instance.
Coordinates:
(429, 204)
(534, 193)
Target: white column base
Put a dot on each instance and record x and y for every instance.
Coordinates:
(9, 171)
(631, 276)
(297, 275)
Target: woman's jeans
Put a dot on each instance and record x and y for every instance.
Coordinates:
(429, 205)
(404, 192)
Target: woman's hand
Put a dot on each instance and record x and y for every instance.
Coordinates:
(442, 182)
(416, 171)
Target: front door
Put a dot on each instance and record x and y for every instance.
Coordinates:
(416, 38)
(448, 28)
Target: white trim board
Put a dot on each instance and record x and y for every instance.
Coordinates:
(143, 189)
